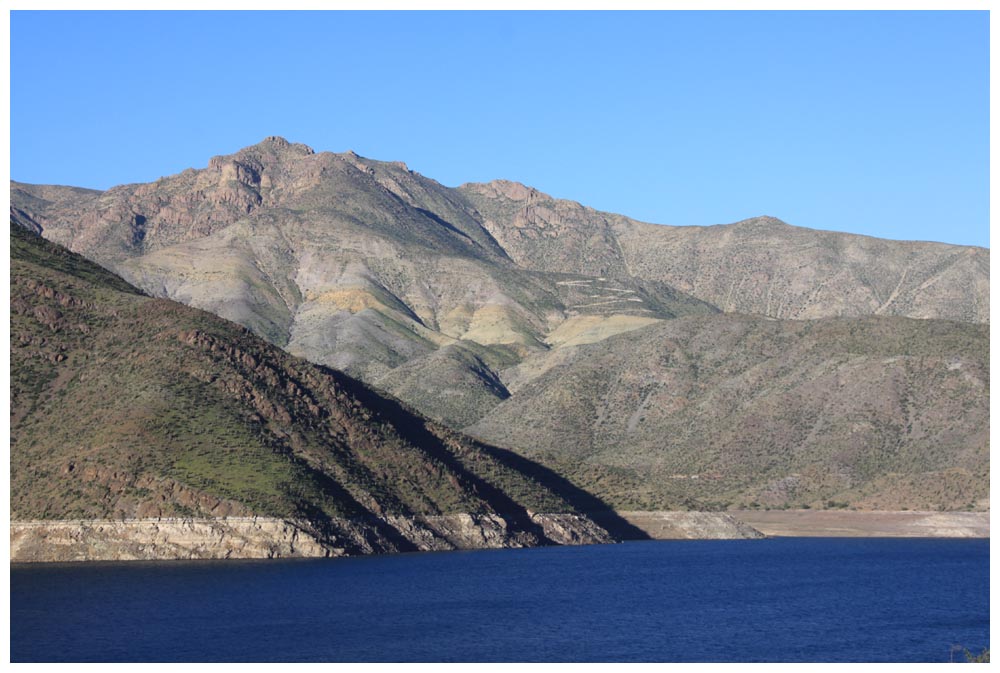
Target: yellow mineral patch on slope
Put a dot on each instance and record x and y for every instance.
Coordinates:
(353, 299)
(456, 322)
(357, 299)
(516, 377)
(498, 324)
(586, 329)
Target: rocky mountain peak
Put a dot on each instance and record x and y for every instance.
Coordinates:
(279, 144)
(762, 222)
(515, 191)
(273, 151)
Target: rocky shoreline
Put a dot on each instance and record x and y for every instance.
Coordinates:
(847, 523)
(666, 525)
(162, 539)
(749, 524)
(266, 537)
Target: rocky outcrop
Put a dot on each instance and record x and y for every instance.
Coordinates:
(490, 531)
(265, 537)
(571, 529)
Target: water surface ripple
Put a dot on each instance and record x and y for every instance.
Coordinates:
(782, 599)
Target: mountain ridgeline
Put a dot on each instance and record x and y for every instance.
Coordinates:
(656, 367)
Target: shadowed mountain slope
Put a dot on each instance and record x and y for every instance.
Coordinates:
(125, 406)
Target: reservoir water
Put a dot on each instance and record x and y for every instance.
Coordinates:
(781, 599)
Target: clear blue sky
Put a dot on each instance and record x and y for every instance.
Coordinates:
(868, 122)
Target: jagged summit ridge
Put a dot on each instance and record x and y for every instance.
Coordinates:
(514, 191)
(268, 154)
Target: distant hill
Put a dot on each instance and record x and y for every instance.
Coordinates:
(759, 265)
(128, 406)
(736, 411)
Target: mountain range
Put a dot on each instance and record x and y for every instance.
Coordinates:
(654, 367)
(125, 407)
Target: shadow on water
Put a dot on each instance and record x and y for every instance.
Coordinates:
(412, 427)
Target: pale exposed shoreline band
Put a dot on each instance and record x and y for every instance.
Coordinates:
(265, 537)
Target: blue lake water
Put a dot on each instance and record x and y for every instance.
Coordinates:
(781, 599)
